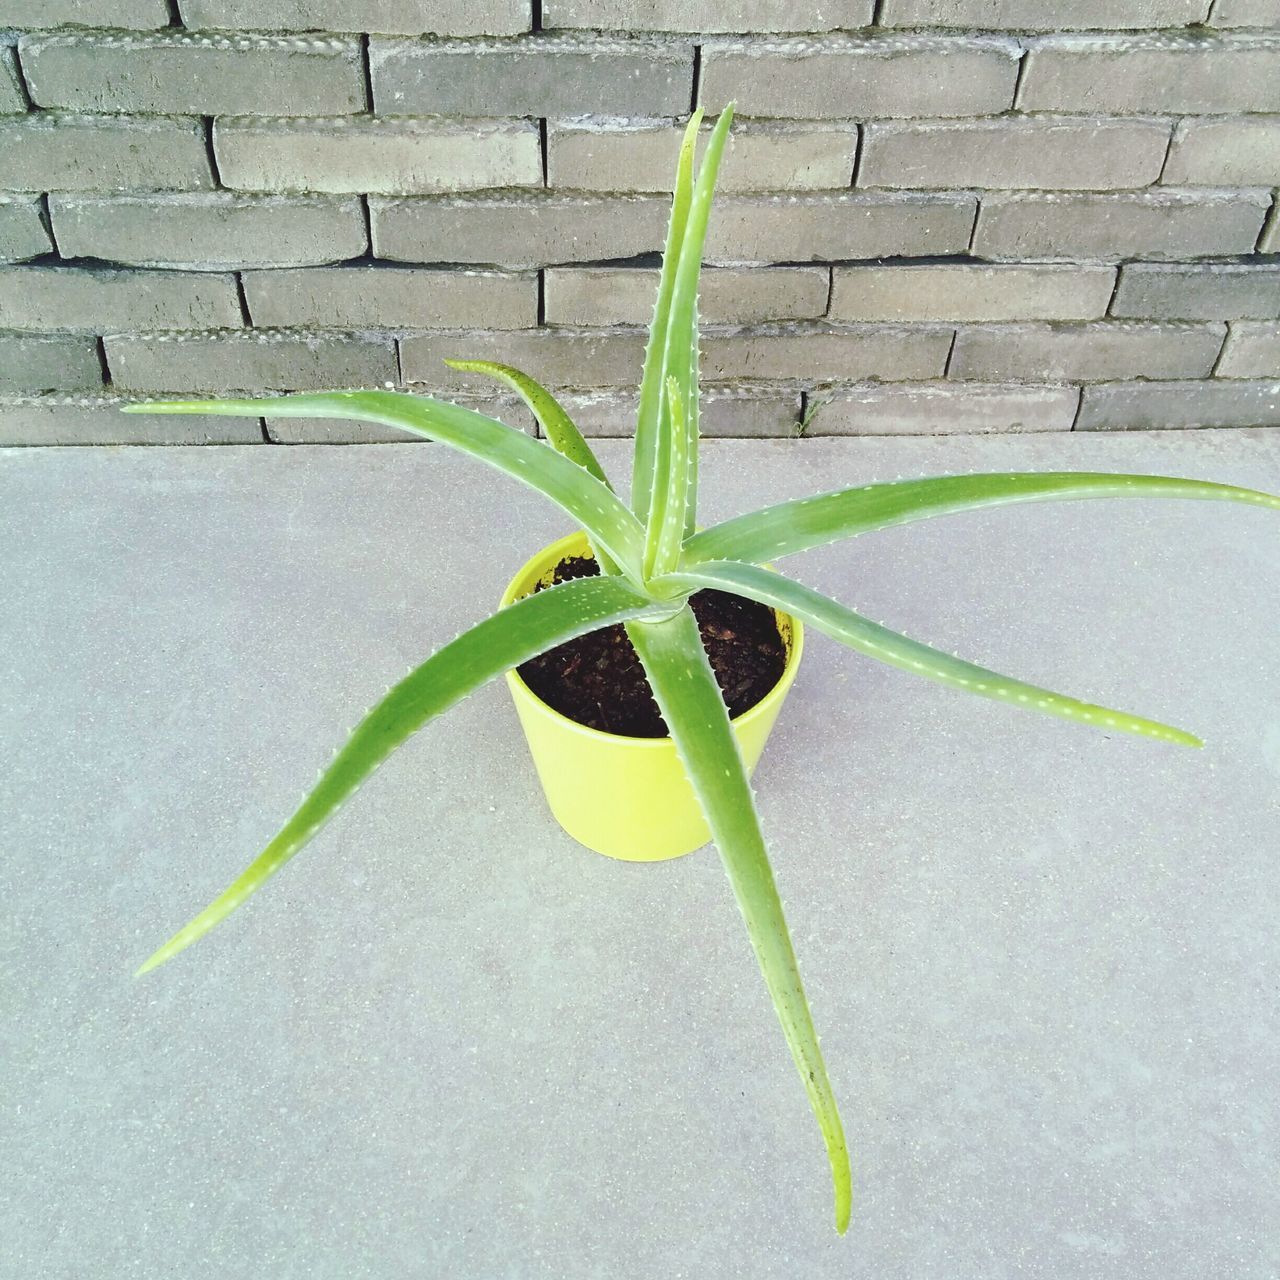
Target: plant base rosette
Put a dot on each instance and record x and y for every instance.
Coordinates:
(627, 798)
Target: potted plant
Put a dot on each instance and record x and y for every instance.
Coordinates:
(651, 560)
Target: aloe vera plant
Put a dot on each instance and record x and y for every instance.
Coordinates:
(652, 558)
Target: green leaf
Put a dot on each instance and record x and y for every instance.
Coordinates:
(690, 701)
(559, 427)
(680, 362)
(693, 428)
(843, 624)
(511, 636)
(653, 380)
(665, 533)
(607, 521)
(795, 526)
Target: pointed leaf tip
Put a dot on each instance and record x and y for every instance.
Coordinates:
(502, 641)
(686, 691)
(652, 383)
(798, 525)
(878, 642)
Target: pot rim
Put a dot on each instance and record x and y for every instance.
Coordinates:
(547, 558)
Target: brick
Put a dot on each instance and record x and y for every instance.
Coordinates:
(1156, 224)
(384, 297)
(1154, 406)
(41, 362)
(532, 230)
(46, 151)
(1152, 74)
(361, 154)
(1245, 13)
(555, 357)
(588, 296)
(214, 231)
(34, 15)
(1085, 352)
(1252, 350)
(62, 419)
(185, 73)
(964, 291)
(825, 353)
(518, 230)
(616, 155)
(940, 408)
(90, 301)
(1015, 154)
(1217, 292)
(507, 409)
(530, 76)
(13, 98)
(706, 16)
(742, 413)
(1196, 292)
(1239, 152)
(1043, 15)
(335, 431)
(386, 17)
(840, 77)
(823, 228)
(22, 232)
(254, 360)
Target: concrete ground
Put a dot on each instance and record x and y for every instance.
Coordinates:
(448, 1042)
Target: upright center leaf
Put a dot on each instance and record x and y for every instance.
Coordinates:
(674, 492)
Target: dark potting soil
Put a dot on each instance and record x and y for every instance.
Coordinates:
(598, 681)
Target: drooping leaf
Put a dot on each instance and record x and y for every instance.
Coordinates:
(690, 701)
(876, 641)
(512, 636)
(560, 429)
(607, 521)
(653, 380)
(794, 526)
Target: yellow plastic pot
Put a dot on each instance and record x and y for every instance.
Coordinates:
(627, 797)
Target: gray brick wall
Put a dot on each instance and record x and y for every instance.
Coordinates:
(936, 215)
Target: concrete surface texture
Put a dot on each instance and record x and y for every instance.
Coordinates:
(446, 1041)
